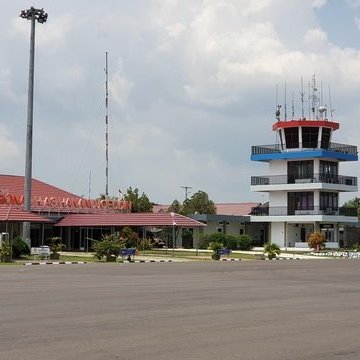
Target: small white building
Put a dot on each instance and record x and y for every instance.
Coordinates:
(304, 181)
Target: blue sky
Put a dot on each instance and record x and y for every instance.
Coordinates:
(191, 83)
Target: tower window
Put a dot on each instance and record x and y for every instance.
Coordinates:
(325, 138)
(310, 137)
(292, 138)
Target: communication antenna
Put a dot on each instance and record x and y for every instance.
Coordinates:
(106, 127)
(186, 188)
(285, 105)
(309, 99)
(292, 106)
(331, 109)
(314, 97)
(89, 184)
(302, 99)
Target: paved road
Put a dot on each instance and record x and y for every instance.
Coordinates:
(299, 309)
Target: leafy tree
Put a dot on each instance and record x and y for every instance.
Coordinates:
(175, 207)
(316, 240)
(130, 237)
(198, 203)
(354, 203)
(139, 203)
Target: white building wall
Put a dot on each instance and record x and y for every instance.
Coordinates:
(277, 233)
(278, 198)
(277, 167)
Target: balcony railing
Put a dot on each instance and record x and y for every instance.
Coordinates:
(276, 148)
(315, 210)
(316, 178)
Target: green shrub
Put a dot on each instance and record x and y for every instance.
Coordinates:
(19, 248)
(214, 245)
(187, 239)
(144, 245)
(244, 242)
(271, 249)
(5, 251)
(218, 237)
(109, 246)
(231, 242)
(356, 247)
(130, 236)
(204, 241)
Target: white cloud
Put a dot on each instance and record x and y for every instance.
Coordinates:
(120, 89)
(353, 3)
(50, 33)
(319, 3)
(176, 30)
(9, 148)
(316, 40)
(191, 73)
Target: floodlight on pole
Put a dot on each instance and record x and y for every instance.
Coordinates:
(40, 16)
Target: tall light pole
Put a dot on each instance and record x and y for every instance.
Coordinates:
(40, 16)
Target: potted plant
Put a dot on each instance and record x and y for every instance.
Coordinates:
(271, 250)
(5, 251)
(214, 246)
(55, 247)
(109, 247)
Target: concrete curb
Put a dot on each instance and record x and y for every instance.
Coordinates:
(146, 261)
(55, 263)
(230, 259)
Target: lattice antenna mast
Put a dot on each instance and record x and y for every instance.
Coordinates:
(285, 103)
(106, 127)
(302, 99)
(186, 188)
(331, 109)
(314, 98)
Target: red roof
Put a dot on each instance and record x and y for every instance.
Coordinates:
(126, 219)
(16, 214)
(13, 184)
(305, 123)
(238, 209)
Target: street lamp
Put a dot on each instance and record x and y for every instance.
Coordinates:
(40, 16)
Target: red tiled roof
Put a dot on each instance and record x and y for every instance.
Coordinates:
(239, 209)
(158, 208)
(126, 219)
(14, 184)
(16, 214)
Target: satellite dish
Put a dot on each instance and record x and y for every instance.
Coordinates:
(322, 109)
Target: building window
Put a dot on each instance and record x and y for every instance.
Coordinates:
(310, 137)
(325, 138)
(329, 201)
(300, 201)
(328, 170)
(292, 138)
(241, 231)
(300, 170)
